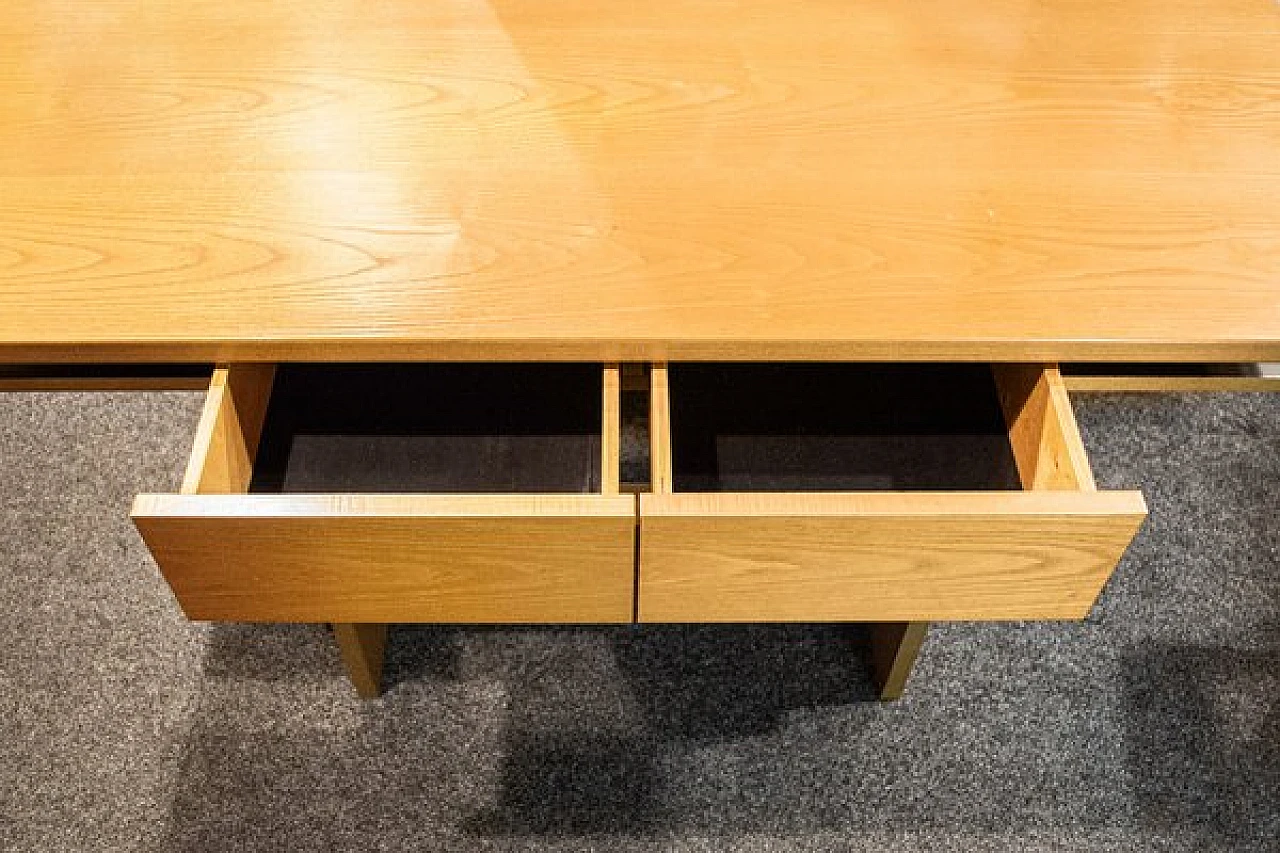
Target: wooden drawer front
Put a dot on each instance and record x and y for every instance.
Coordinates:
(407, 557)
(879, 557)
(1040, 547)
(392, 558)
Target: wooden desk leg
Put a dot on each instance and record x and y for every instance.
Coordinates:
(893, 652)
(362, 645)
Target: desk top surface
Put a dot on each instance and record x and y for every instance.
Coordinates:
(702, 179)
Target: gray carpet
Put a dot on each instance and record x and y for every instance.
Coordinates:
(1155, 725)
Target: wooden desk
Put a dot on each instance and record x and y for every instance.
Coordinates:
(1014, 182)
(997, 180)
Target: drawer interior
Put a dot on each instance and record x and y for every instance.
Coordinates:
(439, 428)
(747, 427)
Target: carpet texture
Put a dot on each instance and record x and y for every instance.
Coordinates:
(1154, 725)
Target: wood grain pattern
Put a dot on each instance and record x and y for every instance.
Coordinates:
(221, 462)
(394, 558)
(880, 557)
(660, 429)
(230, 425)
(1171, 384)
(974, 180)
(611, 431)
(1042, 428)
(362, 646)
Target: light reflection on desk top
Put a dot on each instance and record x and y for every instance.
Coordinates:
(972, 179)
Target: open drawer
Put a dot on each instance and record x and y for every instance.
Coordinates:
(879, 493)
(401, 493)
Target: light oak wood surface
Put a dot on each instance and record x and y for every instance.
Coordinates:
(660, 429)
(892, 557)
(1004, 180)
(1050, 455)
(394, 558)
(226, 447)
(229, 555)
(1172, 384)
(611, 431)
(880, 557)
(1042, 428)
(230, 426)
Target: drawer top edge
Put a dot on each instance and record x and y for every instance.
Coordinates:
(893, 504)
(336, 506)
